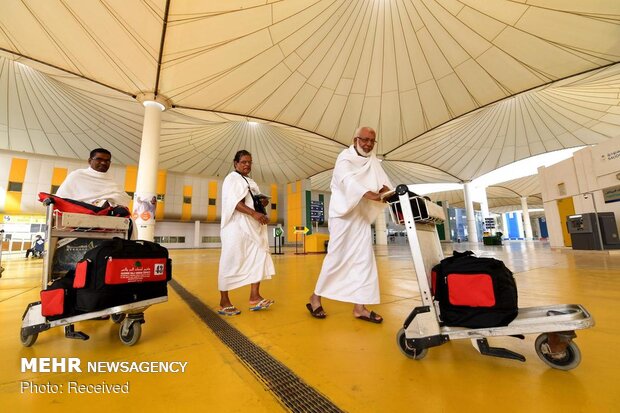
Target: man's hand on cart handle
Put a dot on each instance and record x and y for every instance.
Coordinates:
(376, 196)
(373, 196)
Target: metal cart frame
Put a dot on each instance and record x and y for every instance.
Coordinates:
(423, 328)
(73, 225)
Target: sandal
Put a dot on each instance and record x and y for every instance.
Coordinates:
(261, 305)
(231, 310)
(373, 318)
(317, 312)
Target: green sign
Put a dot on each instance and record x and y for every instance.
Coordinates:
(277, 232)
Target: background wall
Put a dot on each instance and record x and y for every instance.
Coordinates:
(32, 174)
(583, 179)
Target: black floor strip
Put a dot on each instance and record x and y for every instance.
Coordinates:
(291, 390)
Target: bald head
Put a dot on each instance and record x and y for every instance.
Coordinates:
(365, 131)
(364, 140)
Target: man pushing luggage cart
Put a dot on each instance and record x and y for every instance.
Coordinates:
(118, 277)
(88, 221)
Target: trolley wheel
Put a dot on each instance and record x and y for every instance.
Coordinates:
(409, 352)
(569, 362)
(118, 317)
(27, 339)
(133, 332)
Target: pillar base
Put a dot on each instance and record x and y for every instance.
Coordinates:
(146, 232)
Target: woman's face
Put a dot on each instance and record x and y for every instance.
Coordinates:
(244, 166)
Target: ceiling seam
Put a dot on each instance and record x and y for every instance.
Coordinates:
(161, 47)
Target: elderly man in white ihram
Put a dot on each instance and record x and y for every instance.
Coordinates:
(349, 271)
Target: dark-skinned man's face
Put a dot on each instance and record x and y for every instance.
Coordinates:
(100, 162)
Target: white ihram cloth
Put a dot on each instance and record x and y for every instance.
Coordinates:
(245, 255)
(93, 187)
(349, 271)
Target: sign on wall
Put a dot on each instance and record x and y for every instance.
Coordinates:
(606, 157)
(611, 194)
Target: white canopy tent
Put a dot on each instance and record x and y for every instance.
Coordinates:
(455, 88)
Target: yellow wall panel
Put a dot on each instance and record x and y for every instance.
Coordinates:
(273, 217)
(18, 170)
(293, 208)
(131, 178)
(58, 176)
(13, 202)
(162, 177)
(186, 208)
(566, 207)
(212, 209)
(17, 175)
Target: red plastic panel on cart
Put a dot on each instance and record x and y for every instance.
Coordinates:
(473, 290)
(52, 302)
(81, 269)
(135, 270)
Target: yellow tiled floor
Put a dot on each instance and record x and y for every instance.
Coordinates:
(357, 365)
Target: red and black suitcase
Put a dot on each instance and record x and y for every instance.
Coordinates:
(474, 292)
(119, 272)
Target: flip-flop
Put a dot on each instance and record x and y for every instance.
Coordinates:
(317, 312)
(261, 305)
(374, 318)
(228, 311)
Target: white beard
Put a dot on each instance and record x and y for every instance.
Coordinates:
(361, 151)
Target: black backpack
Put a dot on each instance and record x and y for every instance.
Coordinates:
(474, 292)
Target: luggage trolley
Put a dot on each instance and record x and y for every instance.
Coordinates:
(62, 225)
(423, 328)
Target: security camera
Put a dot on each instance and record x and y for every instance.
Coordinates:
(585, 196)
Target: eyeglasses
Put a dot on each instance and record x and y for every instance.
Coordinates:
(100, 160)
(372, 141)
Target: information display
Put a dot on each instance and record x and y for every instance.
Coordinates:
(317, 211)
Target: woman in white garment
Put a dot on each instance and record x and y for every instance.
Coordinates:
(245, 255)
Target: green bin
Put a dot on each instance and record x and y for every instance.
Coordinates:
(494, 240)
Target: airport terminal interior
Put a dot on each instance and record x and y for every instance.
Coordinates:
(498, 120)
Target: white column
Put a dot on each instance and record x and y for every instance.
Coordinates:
(537, 227)
(446, 224)
(196, 234)
(145, 197)
(484, 203)
(527, 225)
(381, 229)
(472, 232)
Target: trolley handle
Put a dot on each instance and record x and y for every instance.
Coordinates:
(48, 201)
(401, 189)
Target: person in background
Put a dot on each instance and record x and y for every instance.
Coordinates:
(38, 246)
(245, 255)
